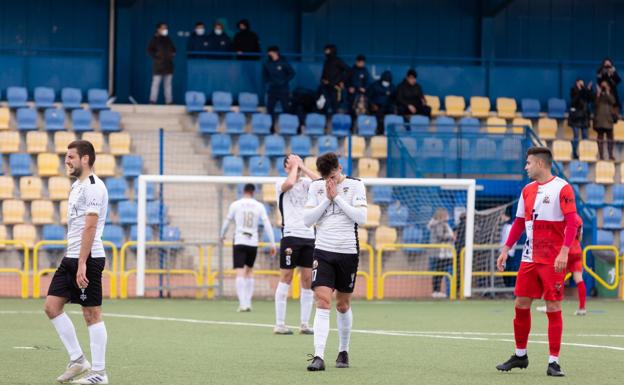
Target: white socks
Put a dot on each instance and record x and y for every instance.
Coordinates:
(345, 322)
(65, 329)
(240, 291)
(321, 331)
(521, 352)
(306, 300)
(281, 295)
(98, 337)
(249, 289)
(552, 359)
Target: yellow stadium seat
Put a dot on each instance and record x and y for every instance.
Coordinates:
(385, 235)
(96, 139)
(13, 211)
(5, 118)
(105, 165)
(368, 168)
(36, 142)
(588, 151)
(547, 128)
(42, 212)
(62, 139)
(605, 172)
(480, 106)
(373, 216)
(119, 143)
(455, 106)
(3, 235)
(379, 147)
(618, 131)
(434, 103)
(562, 150)
(269, 193)
(9, 142)
(358, 146)
(310, 162)
(506, 108)
(7, 186)
(26, 234)
(496, 125)
(63, 212)
(48, 164)
(58, 188)
(31, 187)
(362, 235)
(518, 124)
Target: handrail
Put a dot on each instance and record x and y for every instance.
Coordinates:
(592, 273)
(23, 273)
(483, 247)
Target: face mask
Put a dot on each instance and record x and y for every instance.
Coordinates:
(385, 84)
(164, 32)
(200, 31)
(218, 32)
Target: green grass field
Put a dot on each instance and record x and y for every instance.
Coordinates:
(201, 342)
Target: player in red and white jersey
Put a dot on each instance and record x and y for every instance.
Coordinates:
(547, 212)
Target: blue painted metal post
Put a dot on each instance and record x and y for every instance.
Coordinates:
(350, 158)
(161, 171)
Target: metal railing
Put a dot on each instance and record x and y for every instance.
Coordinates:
(24, 272)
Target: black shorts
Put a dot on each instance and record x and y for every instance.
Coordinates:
(335, 270)
(244, 256)
(64, 282)
(295, 252)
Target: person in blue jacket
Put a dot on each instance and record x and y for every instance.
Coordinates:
(381, 96)
(198, 41)
(277, 74)
(359, 80)
(219, 41)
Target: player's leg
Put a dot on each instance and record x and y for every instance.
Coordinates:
(582, 292)
(238, 263)
(305, 261)
(553, 284)
(283, 286)
(250, 260)
(344, 318)
(323, 283)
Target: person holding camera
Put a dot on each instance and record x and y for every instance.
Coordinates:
(604, 117)
(578, 118)
(608, 73)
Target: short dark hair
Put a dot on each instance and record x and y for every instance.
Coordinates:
(200, 23)
(412, 73)
(360, 57)
(273, 48)
(249, 188)
(543, 153)
(327, 163)
(83, 147)
(158, 25)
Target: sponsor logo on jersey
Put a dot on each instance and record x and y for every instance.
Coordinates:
(345, 190)
(546, 200)
(315, 264)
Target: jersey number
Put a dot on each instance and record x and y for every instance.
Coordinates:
(248, 218)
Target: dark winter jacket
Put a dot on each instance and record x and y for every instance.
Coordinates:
(162, 50)
(277, 74)
(196, 43)
(246, 41)
(334, 69)
(359, 78)
(380, 95)
(408, 94)
(219, 43)
(579, 107)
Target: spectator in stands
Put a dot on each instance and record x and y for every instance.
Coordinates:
(442, 259)
(246, 41)
(381, 98)
(198, 41)
(162, 50)
(277, 74)
(604, 116)
(219, 41)
(359, 80)
(410, 98)
(578, 118)
(608, 73)
(333, 79)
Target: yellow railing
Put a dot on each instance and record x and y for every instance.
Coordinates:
(485, 247)
(37, 274)
(124, 274)
(381, 275)
(23, 273)
(616, 280)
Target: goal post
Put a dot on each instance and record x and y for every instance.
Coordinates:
(407, 191)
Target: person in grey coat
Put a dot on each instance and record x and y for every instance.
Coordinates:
(604, 116)
(440, 233)
(162, 51)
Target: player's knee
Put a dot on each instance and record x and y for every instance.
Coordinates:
(523, 302)
(553, 306)
(322, 302)
(91, 315)
(287, 276)
(52, 311)
(343, 307)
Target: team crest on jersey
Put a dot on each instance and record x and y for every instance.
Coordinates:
(320, 192)
(546, 200)
(315, 264)
(345, 189)
(557, 287)
(288, 251)
(83, 296)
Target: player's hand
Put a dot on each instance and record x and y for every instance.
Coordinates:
(81, 276)
(502, 260)
(330, 185)
(273, 251)
(561, 262)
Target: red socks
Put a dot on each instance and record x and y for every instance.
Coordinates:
(522, 327)
(555, 330)
(582, 294)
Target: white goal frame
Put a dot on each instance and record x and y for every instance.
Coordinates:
(462, 184)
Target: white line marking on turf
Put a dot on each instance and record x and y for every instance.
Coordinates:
(25, 347)
(436, 335)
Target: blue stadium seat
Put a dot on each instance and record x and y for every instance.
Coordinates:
(579, 172)
(486, 149)
(208, 123)
(26, 119)
(274, 145)
(261, 124)
(301, 145)
(604, 237)
(44, 97)
(221, 101)
(97, 98)
(366, 125)
(195, 101)
(71, 97)
(382, 194)
(460, 149)
(419, 123)
(150, 192)
(116, 189)
(153, 210)
(432, 148)
(132, 165)
(393, 120)
(530, 108)
(279, 165)
(341, 125)
(611, 218)
(20, 165)
(113, 234)
(221, 145)
(512, 151)
(127, 212)
(288, 124)
(397, 215)
(344, 162)
(149, 233)
(259, 166)
(171, 234)
(447, 124)
(315, 124)
(53, 233)
(469, 125)
(110, 121)
(617, 192)
(413, 234)
(109, 221)
(248, 145)
(556, 108)
(82, 120)
(248, 102)
(234, 123)
(327, 143)
(17, 97)
(232, 165)
(54, 119)
(595, 195)
(1, 166)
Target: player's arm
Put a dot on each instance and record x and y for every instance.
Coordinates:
(306, 171)
(356, 210)
(226, 223)
(516, 231)
(291, 179)
(269, 228)
(94, 198)
(315, 206)
(567, 203)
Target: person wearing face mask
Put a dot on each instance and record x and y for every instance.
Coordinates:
(198, 41)
(246, 41)
(578, 117)
(162, 51)
(381, 98)
(607, 73)
(604, 116)
(219, 41)
(333, 79)
(410, 97)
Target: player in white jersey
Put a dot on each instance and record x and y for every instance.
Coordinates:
(336, 205)
(297, 244)
(247, 214)
(79, 277)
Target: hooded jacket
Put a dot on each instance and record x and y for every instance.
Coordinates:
(408, 94)
(246, 41)
(277, 74)
(380, 95)
(359, 77)
(334, 69)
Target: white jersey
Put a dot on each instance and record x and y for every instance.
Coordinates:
(291, 204)
(335, 231)
(247, 214)
(86, 197)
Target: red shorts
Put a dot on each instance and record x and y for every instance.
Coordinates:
(575, 263)
(538, 280)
